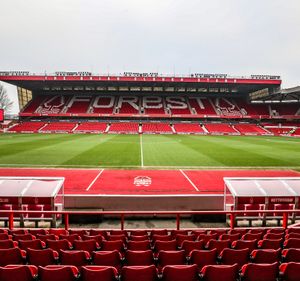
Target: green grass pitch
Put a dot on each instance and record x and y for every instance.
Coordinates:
(148, 151)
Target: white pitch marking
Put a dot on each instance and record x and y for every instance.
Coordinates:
(99, 174)
(142, 153)
(185, 175)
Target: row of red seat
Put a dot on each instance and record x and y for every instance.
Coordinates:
(134, 127)
(249, 272)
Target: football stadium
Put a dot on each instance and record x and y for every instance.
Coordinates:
(149, 175)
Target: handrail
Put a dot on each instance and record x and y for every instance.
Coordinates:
(177, 214)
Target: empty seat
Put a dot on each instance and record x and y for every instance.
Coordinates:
(203, 257)
(189, 246)
(291, 255)
(139, 257)
(244, 244)
(139, 273)
(157, 237)
(98, 232)
(219, 272)
(139, 238)
(260, 272)
(207, 237)
(115, 237)
(33, 244)
(98, 238)
(266, 256)
(86, 245)
(58, 245)
(158, 232)
(290, 271)
(138, 233)
(42, 257)
(291, 243)
(76, 258)
(270, 244)
(174, 232)
(232, 256)
(276, 230)
(171, 258)
(45, 237)
(164, 246)
(292, 230)
(70, 237)
(79, 232)
(292, 235)
(6, 244)
(58, 231)
(113, 245)
(274, 236)
(252, 236)
(184, 237)
(18, 273)
(103, 273)
(5, 236)
(12, 256)
(107, 258)
(138, 245)
(180, 273)
(58, 273)
(231, 237)
(218, 244)
(38, 231)
(119, 232)
(27, 236)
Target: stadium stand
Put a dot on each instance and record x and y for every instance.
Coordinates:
(28, 127)
(220, 128)
(91, 127)
(65, 127)
(250, 129)
(188, 128)
(153, 128)
(124, 127)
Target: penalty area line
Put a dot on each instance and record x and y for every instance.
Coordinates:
(189, 180)
(99, 174)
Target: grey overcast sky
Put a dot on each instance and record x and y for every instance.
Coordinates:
(237, 37)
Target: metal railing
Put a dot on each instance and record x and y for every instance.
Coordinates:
(233, 215)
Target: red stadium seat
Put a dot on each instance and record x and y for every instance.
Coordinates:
(203, 257)
(98, 238)
(27, 236)
(189, 246)
(270, 244)
(58, 231)
(252, 236)
(290, 271)
(291, 243)
(113, 245)
(115, 237)
(291, 255)
(231, 237)
(244, 244)
(86, 245)
(76, 258)
(180, 273)
(274, 236)
(218, 244)
(6, 244)
(260, 272)
(165, 246)
(79, 232)
(12, 256)
(158, 232)
(139, 257)
(139, 238)
(34, 231)
(219, 272)
(157, 237)
(231, 256)
(207, 237)
(58, 273)
(171, 258)
(103, 273)
(70, 237)
(139, 273)
(58, 245)
(33, 244)
(5, 236)
(107, 258)
(98, 232)
(266, 256)
(139, 245)
(18, 273)
(138, 233)
(45, 237)
(42, 257)
(184, 237)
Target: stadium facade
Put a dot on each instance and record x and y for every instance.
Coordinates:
(81, 102)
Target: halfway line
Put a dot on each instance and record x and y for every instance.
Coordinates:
(141, 146)
(194, 186)
(99, 174)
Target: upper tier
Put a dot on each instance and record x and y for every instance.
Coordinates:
(154, 106)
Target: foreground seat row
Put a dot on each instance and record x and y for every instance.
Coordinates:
(249, 272)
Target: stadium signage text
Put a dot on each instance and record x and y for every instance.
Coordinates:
(137, 74)
(73, 73)
(14, 73)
